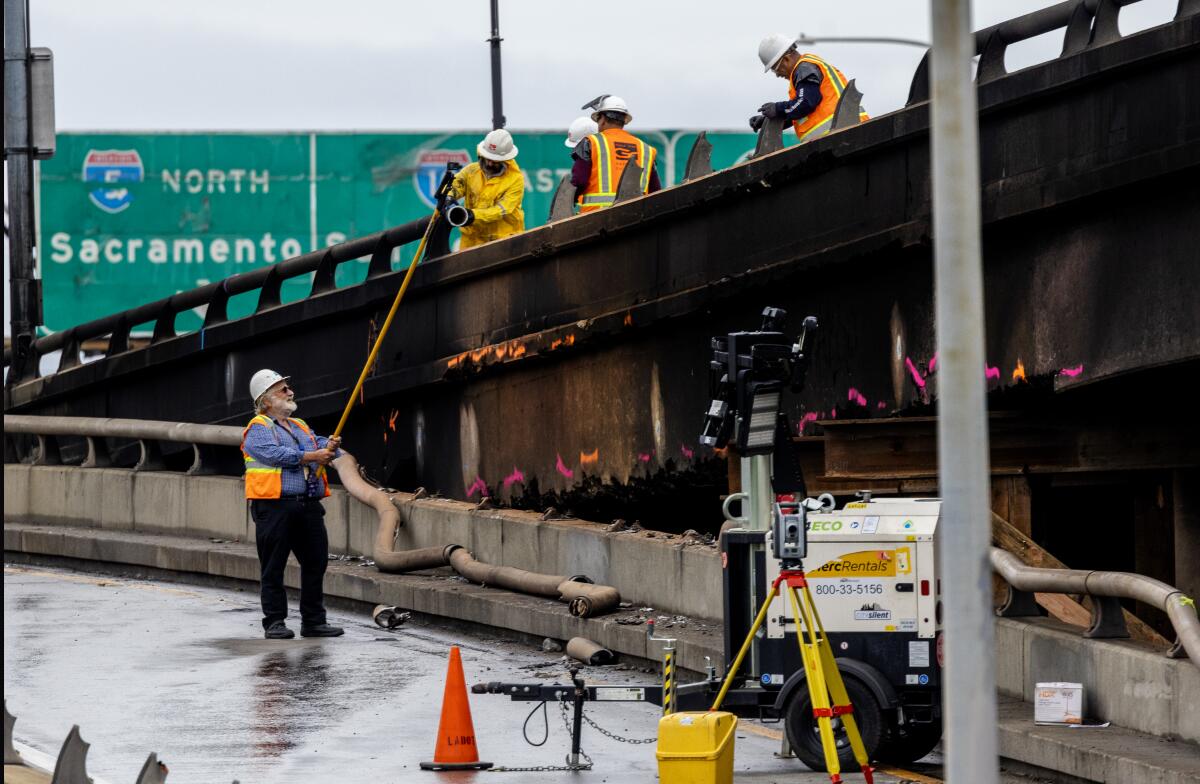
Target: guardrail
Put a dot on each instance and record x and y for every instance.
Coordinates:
(70, 767)
(1106, 589)
(1086, 23)
(95, 430)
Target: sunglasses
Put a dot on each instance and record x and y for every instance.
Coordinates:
(285, 388)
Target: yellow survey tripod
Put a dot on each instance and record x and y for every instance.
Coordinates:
(825, 686)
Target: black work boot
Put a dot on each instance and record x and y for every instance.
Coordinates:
(322, 630)
(279, 631)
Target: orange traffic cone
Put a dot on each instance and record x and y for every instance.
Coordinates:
(456, 748)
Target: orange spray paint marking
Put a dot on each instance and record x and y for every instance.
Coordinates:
(561, 467)
(518, 350)
(392, 420)
(1019, 373)
(628, 320)
(569, 340)
(589, 458)
(556, 344)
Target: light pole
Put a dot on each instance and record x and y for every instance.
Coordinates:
(497, 93)
(817, 39)
(969, 680)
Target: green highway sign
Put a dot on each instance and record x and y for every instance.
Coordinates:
(125, 219)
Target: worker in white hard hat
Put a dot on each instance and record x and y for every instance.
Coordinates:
(814, 88)
(491, 190)
(581, 128)
(602, 157)
(285, 483)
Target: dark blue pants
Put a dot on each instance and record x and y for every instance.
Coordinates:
(291, 526)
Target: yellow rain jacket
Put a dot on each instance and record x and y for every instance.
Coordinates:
(496, 202)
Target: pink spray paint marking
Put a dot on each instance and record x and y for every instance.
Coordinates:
(645, 456)
(933, 363)
(513, 478)
(991, 373)
(561, 467)
(916, 376)
(1071, 372)
(688, 453)
(882, 406)
(854, 396)
(478, 486)
(811, 416)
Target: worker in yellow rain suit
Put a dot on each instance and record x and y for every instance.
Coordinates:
(491, 190)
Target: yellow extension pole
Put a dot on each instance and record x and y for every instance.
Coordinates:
(387, 323)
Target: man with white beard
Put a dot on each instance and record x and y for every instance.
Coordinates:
(285, 482)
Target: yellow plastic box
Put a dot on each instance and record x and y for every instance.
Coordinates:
(696, 747)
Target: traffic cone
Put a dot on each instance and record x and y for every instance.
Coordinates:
(456, 748)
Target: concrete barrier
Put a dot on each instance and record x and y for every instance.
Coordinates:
(648, 569)
(1125, 682)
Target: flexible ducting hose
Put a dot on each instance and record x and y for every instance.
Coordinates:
(589, 651)
(584, 600)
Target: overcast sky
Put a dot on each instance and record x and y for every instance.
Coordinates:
(371, 64)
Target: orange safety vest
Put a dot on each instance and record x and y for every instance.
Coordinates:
(264, 481)
(833, 84)
(611, 151)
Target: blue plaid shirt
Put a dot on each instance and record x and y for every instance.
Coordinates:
(282, 446)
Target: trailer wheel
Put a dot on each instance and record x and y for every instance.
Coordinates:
(911, 743)
(804, 736)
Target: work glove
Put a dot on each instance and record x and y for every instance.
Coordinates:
(757, 121)
(769, 110)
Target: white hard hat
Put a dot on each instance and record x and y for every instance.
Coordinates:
(497, 146)
(773, 48)
(612, 103)
(581, 128)
(263, 380)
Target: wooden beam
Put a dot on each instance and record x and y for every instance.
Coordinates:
(1062, 607)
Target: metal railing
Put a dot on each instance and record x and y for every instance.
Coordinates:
(148, 434)
(1106, 589)
(1086, 24)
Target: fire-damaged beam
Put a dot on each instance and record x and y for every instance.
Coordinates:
(575, 353)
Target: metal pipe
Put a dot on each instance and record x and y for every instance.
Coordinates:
(1122, 585)
(969, 686)
(100, 427)
(497, 87)
(24, 296)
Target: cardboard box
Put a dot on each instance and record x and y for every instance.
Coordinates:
(1058, 703)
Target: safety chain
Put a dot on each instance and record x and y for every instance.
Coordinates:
(615, 736)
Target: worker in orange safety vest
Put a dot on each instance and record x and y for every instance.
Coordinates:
(814, 88)
(601, 158)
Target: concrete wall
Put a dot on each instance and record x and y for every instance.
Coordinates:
(666, 574)
(1123, 682)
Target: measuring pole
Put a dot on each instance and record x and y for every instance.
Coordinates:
(969, 682)
(24, 298)
(497, 92)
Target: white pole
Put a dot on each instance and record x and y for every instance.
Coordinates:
(969, 678)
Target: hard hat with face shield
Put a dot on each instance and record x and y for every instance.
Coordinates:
(609, 103)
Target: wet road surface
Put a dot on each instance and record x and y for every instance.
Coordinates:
(184, 671)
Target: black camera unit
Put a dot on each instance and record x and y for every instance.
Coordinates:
(747, 376)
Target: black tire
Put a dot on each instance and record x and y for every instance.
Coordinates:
(911, 743)
(805, 740)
